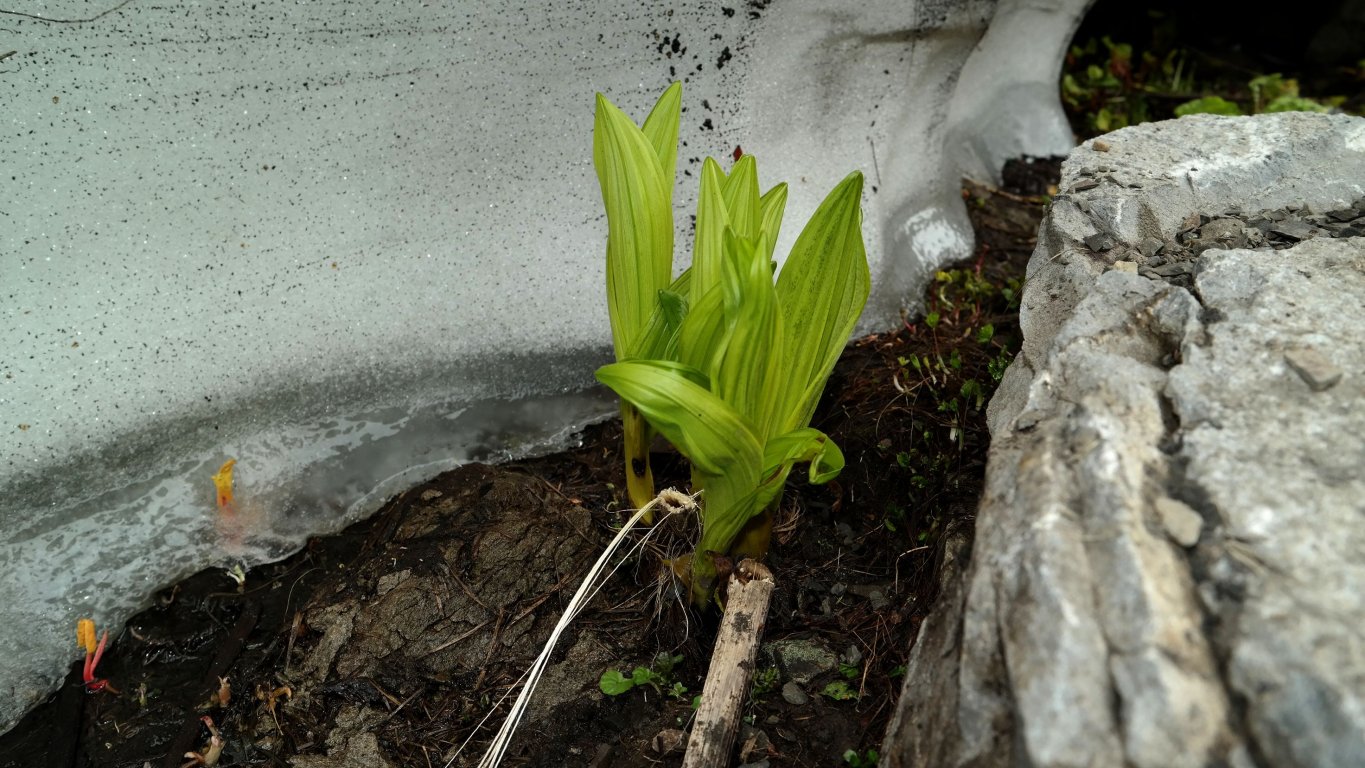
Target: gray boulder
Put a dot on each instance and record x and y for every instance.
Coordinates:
(1169, 562)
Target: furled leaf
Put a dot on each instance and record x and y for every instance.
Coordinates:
(741, 197)
(708, 244)
(660, 338)
(744, 371)
(661, 129)
(635, 171)
(637, 198)
(704, 332)
(771, 207)
(85, 634)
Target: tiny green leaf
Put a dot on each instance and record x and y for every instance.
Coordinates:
(839, 691)
(644, 676)
(613, 683)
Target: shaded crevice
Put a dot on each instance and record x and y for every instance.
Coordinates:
(1218, 600)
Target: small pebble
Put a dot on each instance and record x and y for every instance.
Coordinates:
(792, 694)
(1181, 523)
(1099, 242)
(1314, 368)
(1126, 266)
(1150, 245)
(1100, 146)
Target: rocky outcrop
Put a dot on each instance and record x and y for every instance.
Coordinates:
(1167, 569)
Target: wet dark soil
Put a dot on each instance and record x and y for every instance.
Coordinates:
(388, 643)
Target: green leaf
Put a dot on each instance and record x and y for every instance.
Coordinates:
(665, 662)
(674, 398)
(800, 445)
(613, 683)
(635, 172)
(644, 676)
(821, 291)
(1211, 105)
(638, 201)
(731, 500)
(1295, 104)
(839, 691)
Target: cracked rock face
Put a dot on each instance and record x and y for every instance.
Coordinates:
(1168, 564)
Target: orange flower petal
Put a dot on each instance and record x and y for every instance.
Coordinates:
(223, 482)
(85, 634)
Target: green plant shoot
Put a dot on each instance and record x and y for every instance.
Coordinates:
(738, 362)
(635, 168)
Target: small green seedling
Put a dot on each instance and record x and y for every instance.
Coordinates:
(839, 690)
(657, 676)
(765, 681)
(866, 760)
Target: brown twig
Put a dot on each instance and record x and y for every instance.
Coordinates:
(732, 664)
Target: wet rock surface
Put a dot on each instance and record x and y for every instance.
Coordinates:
(1167, 566)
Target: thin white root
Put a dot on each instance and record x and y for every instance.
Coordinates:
(672, 502)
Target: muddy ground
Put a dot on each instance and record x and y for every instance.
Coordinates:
(388, 643)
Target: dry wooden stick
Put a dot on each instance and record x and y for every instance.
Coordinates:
(732, 664)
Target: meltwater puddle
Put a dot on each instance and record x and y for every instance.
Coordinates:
(104, 557)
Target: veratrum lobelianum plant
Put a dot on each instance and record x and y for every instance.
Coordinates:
(724, 362)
